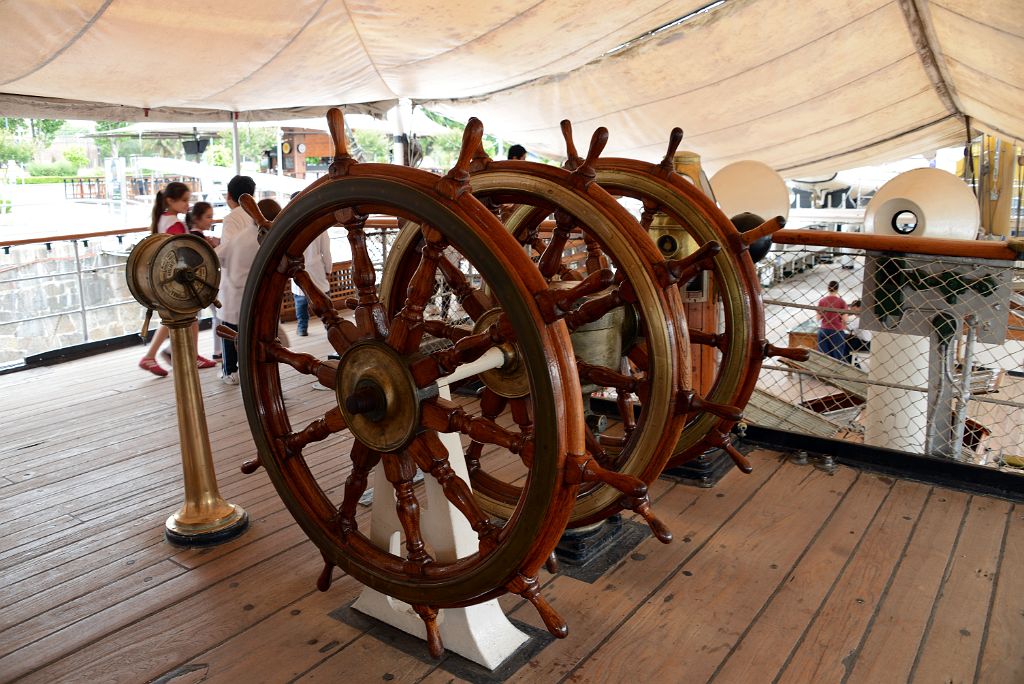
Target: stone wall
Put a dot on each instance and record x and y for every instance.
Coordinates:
(41, 301)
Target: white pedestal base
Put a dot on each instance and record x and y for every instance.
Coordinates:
(480, 633)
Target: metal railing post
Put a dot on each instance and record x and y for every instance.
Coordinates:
(81, 293)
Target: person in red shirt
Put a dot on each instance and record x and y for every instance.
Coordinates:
(168, 204)
(831, 324)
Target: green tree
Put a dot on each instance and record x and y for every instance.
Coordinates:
(253, 141)
(76, 156)
(219, 153)
(12, 149)
(375, 145)
(45, 130)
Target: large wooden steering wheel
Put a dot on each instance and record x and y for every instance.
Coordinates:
(387, 410)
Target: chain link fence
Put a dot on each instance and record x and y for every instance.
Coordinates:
(916, 353)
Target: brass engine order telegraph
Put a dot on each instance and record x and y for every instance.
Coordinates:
(178, 276)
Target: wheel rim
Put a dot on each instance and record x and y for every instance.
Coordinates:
(734, 273)
(537, 520)
(645, 453)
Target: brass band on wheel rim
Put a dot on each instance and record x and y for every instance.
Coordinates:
(735, 276)
(620, 236)
(534, 527)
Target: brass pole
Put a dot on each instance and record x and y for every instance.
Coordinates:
(205, 518)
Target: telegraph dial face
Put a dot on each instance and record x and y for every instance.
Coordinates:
(183, 274)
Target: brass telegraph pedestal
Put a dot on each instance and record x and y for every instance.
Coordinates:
(178, 276)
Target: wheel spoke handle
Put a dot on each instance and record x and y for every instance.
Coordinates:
(473, 301)
(642, 507)
(689, 401)
(555, 304)
(584, 468)
(443, 331)
(319, 430)
(721, 440)
(606, 377)
(442, 415)
(719, 341)
(792, 353)
(680, 271)
(529, 589)
(770, 226)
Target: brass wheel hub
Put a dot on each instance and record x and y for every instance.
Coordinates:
(509, 380)
(378, 397)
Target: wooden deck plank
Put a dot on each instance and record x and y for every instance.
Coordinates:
(772, 635)
(888, 650)
(725, 586)
(92, 470)
(1002, 656)
(174, 621)
(825, 649)
(287, 644)
(952, 640)
(595, 610)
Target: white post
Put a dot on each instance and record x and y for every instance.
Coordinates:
(235, 153)
(280, 154)
(481, 633)
(400, 117)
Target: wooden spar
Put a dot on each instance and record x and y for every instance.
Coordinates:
(977, 249)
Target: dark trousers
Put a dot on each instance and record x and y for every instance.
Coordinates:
(230, 360)
(832, 343)
(301, 312)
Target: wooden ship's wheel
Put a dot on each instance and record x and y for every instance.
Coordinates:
(628, 329)
(741, 341)
(387, 410)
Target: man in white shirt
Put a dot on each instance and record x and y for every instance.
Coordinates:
(237, 251)
(318, 265)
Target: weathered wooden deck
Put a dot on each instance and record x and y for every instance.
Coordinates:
(789, 574)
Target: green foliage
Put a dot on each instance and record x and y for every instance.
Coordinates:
(46, 130)
(253, 141)
(61, 168)
(219, 153)
(375, 145)
(10, 148)
(13, 125)
(76, 156)
(41, 180)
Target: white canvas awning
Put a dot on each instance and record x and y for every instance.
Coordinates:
(805, 86)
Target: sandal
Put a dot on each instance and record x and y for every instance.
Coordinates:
(152, 366)
(203, 362)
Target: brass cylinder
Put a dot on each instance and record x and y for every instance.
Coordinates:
(204, 518)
